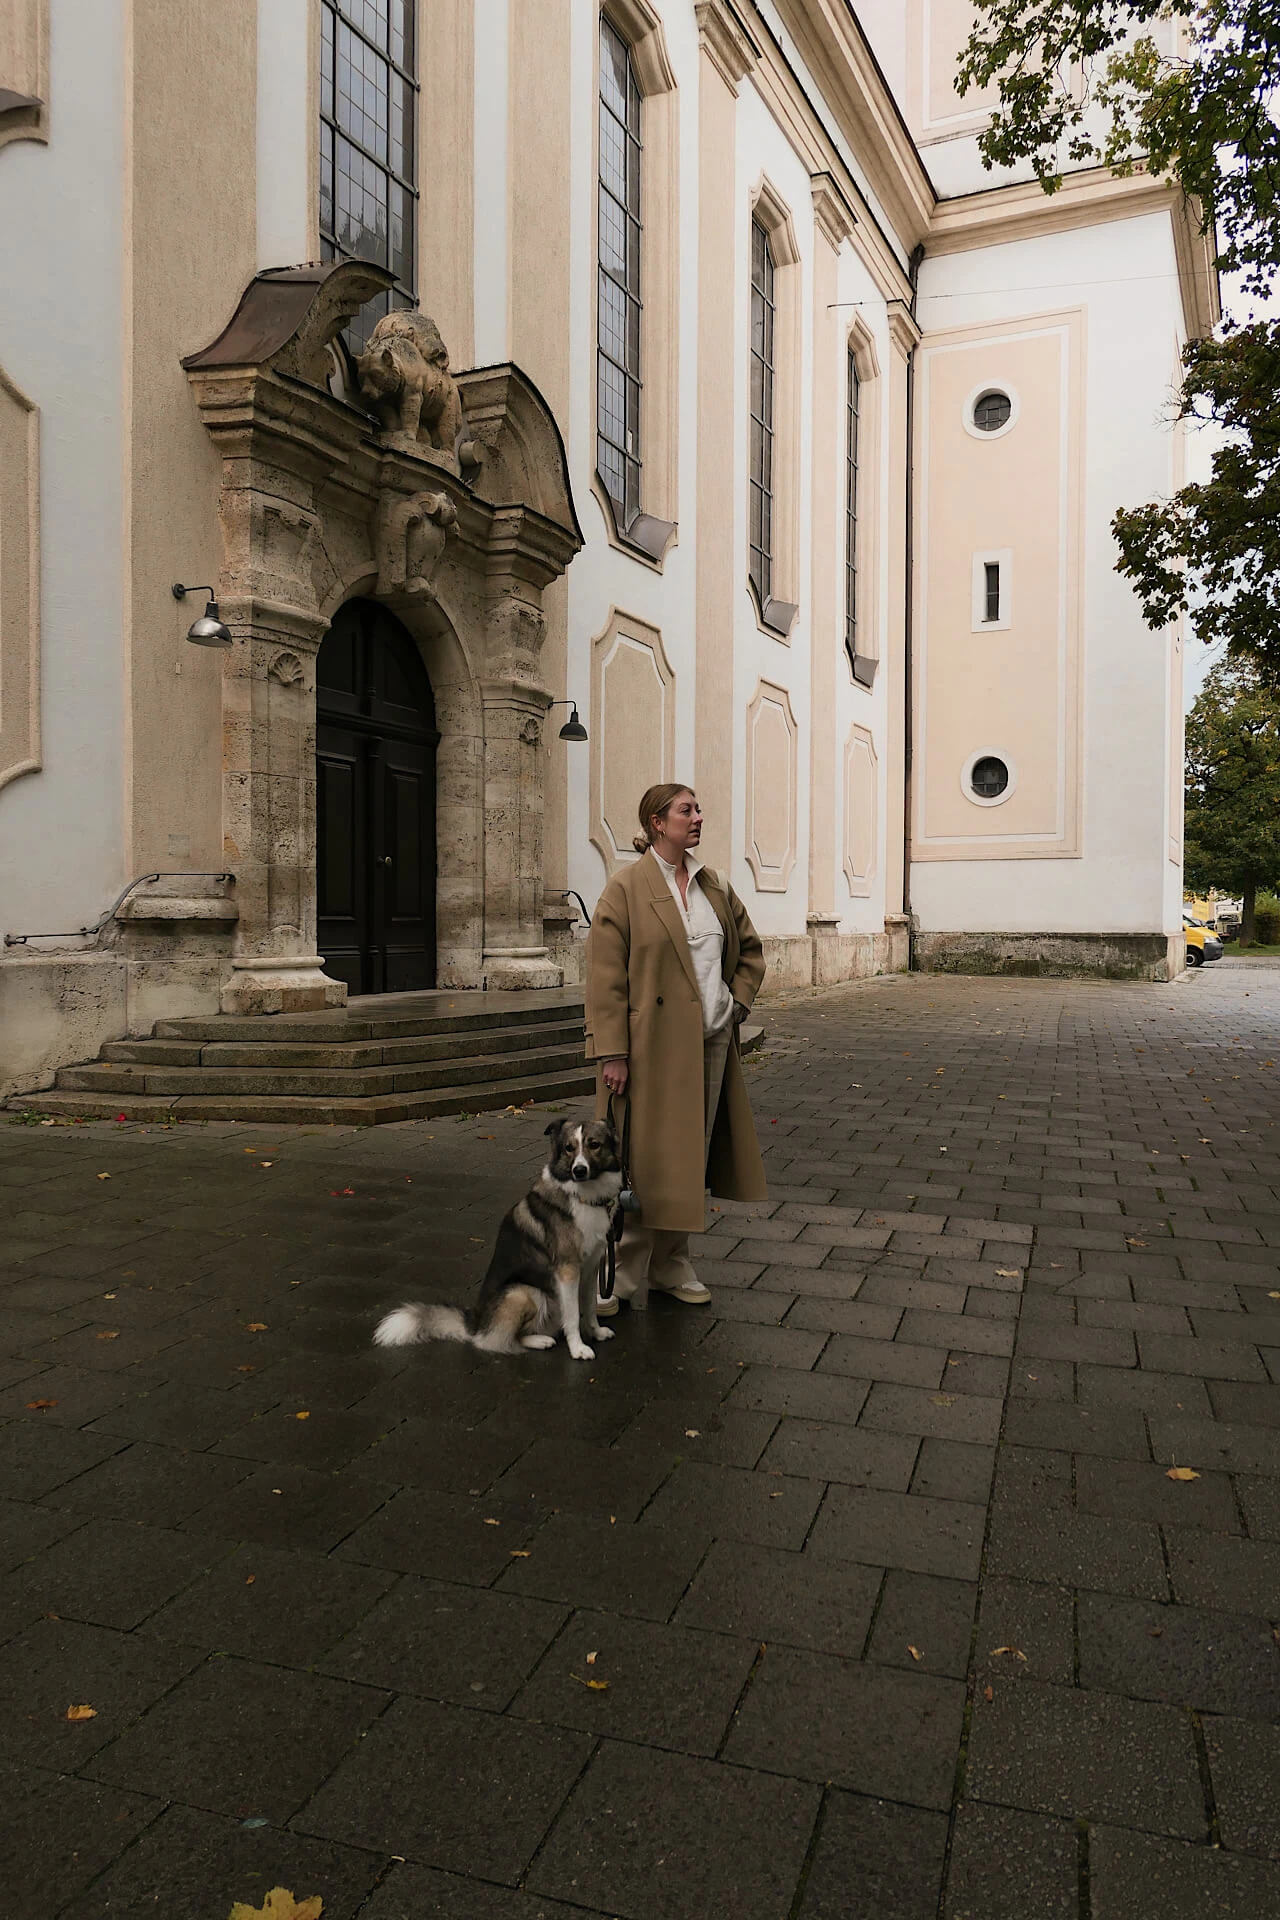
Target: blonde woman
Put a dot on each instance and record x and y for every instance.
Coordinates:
(673, 964)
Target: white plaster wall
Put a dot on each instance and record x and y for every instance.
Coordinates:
(287, 134)
(491, 273)
(1124, 275)
(62, 340)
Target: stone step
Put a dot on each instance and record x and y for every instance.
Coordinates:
(386, 1016)
(487, 1041)
(314, 1083)
(263, 1108)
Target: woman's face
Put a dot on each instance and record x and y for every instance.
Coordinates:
(681, 825)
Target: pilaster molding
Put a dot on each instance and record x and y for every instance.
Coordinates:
(19, 583)
(772, 739)
(727, 41)
(24, 70)
(904, 331)
(834, 218)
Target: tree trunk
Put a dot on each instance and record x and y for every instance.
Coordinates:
(1247, 930)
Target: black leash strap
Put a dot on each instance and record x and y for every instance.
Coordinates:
(609, 1265)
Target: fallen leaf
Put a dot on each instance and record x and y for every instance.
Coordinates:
(82, 1713)
(255, 1326)
(104, 1176)
(486, 1136)
(692, 1433)
(108, 1296)
(943, 1399)
(592, 1658)
(1009, 1273)
(249, 1579)
(493, 1523)
(775, 1496)
(40, 1406)
(988, 1694)
(915, 1653)
(302, 1416)
(266, 1163)
(1273, 1295)
(246, 1369)
(596, 1686)
(280, 1904)
(1130, 1241)
(1181, 1473)
(112, 1333)
(518, 1553)
(1017, 1652)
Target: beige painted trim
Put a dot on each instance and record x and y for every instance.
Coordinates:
(19, 582)
(922, 50)
(659, 271)
(861, 746)
(313, 116)
(24, 68)
(903, 335)
(770, 878)
(726, 40)
(625, 626)
(826, 576)
(860, 341)
(446, 143)
(1066, 845)
(774, 215)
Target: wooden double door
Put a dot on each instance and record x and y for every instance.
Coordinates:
(376, 744)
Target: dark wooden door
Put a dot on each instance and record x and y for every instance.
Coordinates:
(375, 804)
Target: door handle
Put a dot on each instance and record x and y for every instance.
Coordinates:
(386, 860)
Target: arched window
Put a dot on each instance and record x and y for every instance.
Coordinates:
(852, 399)
(762, 346)
(618, 316)
(368, 131)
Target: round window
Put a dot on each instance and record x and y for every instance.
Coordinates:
(989, 777)
(992, 410)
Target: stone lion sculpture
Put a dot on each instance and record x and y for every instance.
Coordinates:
(404, 375)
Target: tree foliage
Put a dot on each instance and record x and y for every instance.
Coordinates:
(1186, 88)
(1231, 835)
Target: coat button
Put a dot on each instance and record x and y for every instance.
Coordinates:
(659, 999)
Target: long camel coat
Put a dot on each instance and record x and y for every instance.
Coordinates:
(642, 1001)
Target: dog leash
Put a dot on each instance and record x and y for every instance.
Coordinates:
(609, 1265)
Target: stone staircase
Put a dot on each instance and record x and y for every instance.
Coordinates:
(381, 1058)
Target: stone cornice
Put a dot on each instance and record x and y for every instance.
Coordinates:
(726, 40)
(904, 331)
(832, 214)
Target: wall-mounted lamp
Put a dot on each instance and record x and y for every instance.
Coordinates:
(208, 631)
(573, 728)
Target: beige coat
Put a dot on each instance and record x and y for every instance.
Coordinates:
(642, 1001)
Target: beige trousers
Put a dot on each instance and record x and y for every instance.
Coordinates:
(650, 1256)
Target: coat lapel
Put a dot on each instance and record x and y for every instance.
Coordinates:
(669, 914)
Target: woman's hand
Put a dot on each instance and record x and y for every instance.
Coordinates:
(614, 1075)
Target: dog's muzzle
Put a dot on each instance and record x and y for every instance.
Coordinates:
(581, 1170)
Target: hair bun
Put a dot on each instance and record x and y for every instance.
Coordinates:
(640, 844)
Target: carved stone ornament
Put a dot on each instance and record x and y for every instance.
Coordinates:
(410, 535)
(404, 376)
(531, 732)
(287, 669)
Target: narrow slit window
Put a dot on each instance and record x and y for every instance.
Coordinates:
(762, 331)
(992, 572)
(618, 304)
(852, 403)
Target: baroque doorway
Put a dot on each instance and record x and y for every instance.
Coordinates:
(376, 740)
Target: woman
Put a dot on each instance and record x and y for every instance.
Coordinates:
(673, 964)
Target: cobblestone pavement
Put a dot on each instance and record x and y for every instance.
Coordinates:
(866, 1591)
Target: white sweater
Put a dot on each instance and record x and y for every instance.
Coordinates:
(706, 945)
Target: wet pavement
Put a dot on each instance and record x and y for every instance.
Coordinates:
(934, 1570)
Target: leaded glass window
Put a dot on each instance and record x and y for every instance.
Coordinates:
(852, 401)
(368, 113)
(762, 331)
(618, 306)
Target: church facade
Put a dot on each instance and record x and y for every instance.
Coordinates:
(667, 372)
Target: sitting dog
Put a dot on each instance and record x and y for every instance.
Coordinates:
(546, 1259)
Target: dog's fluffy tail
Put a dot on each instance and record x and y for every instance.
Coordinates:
(409, 1325)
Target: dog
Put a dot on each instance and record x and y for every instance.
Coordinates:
(541, 1279)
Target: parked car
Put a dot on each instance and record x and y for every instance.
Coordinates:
(1202, 944)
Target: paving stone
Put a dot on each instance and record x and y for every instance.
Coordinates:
(663, 1686)
(857, 1725)
(446, 1642)
(1220, 1662)
(266, 1604)
(657, 1836)
(440, 1534)
(816, 1283)
(1139, 1490)
(900, 1530)
(788, 1346)
(1160, 1393)
(443, 1454)
(1027, 1618)
(1141, 1316)
(1118, 1434)
(420, 1893)
(41, 1870)
(1244, 1764)
(188, 1854)
(823, 1451)
(924, 1624)
(324, 1442)
(289, 1507)
(886, 1289)
(1079, 1754)
(57, 1663)
(1209, 1359)
(953, 1470)
(165, 1483)
(1260, 1501)
(1215, 1570)
(1098, 1346)
(1007, 1865)
(731, 1436)
(1081, 1551)
(771, 1595)
(239, 1765)
(26, 1530)
(873, 1857)
(1132, 1873)
(114, 1573)
(1249, 1404)
(586, 1562)
(752, 1304)
(941, 1415)
(771, 1509)
(34, 1460)
(846, 1316)
(963, 1332)
(1042, 1380)
(1184, 1440)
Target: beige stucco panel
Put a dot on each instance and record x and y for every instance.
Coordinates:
(771, 788)
(633, 721)
(1010, 691)
(19, 584)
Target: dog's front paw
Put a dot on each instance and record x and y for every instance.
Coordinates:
(580, 1352)
(537, 1342)
(602, 1333)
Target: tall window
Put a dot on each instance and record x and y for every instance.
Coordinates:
(618, 299)
(852, 398)
(762, 328)
(368, 93)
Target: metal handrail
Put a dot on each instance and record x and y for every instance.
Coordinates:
(86, 933)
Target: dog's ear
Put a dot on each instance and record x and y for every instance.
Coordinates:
(554, 1128)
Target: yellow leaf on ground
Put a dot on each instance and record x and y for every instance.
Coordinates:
(1182, 1473)
(40, 1406)
(1017, 1652)
(104, 1176)
(915, 1653)
(82, 1713)
(1009, 1273)
(112, 1333)
(255, 1326)
(596, 1686)
(280, 1904)
(519, 1553)
(302, 1416)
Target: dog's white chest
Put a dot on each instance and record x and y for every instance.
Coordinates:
(592, 1223)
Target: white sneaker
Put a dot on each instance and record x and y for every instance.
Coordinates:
(691, 1293)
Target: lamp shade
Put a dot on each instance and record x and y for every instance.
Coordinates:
(208, 630)
(573, 728)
